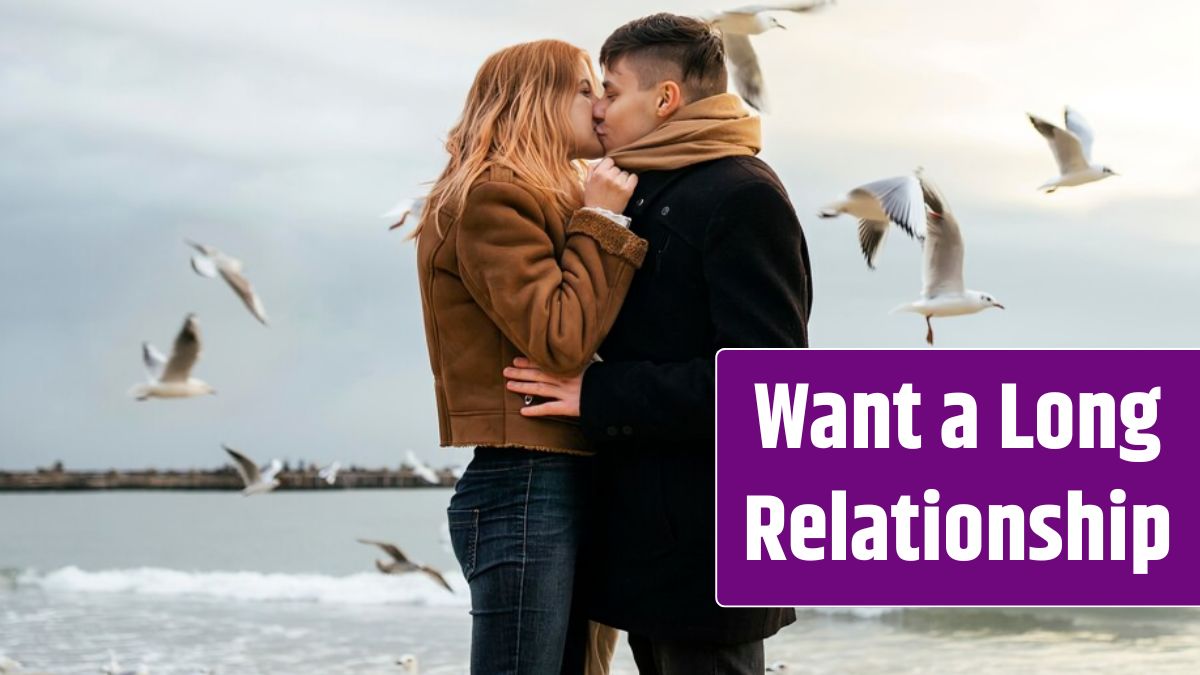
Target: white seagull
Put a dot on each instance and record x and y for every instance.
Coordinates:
(407, 208)
(256, 480)
(421, 469)
(408, 662)
(877, 205)
(400, 564)
(944, 293)
(211, 263)
(1072, 150)
(171, 378)
(736, 26)
(329, 473)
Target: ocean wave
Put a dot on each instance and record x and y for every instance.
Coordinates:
(855, 612)
(366, 588)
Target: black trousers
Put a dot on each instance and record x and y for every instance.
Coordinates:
(673, 657)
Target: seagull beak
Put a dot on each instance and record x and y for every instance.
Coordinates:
(1000, 305)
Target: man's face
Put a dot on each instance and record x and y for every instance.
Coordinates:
(626, 111)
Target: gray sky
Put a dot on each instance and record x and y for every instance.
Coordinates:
(278, 131)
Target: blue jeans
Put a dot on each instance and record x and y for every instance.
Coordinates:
(515, 524)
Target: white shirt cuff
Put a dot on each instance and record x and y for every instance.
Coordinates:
(617, 218)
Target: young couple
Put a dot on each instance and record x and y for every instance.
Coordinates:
(572, 317)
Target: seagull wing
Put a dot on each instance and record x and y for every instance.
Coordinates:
(1067, 148)
(246, 468)
(204, 266)
(421, 469)
(943, 271)
(184, 353)
(204, 249)
(330, 472)
(1082, 130)
(798, 7)
(399, 211)
(436, 576)
(241, 286)
(902, 200)
(871, 234)
(409, 208)
(390, 549)
(272, 470)
(747, 75)
(154, 361)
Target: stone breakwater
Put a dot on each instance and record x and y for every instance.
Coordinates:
(224, 478)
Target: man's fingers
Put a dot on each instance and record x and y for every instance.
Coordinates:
(522, 362)
(535, 388)
(544, 409)
(528, 375)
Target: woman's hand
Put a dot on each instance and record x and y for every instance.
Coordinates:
(608, 187)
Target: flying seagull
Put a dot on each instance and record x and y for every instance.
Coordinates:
(256, 480)
(1072, 149)
(210, 263)
(877, 205)
(400, 564)
(407, 208)
(421, 469)
(170, 378)
(944, 293)
(329, 474)
(736, 26)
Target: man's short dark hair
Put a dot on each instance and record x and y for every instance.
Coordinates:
(668, 46)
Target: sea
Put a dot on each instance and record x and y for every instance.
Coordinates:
(213, 582)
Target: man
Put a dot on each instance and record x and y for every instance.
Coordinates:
(727, 267)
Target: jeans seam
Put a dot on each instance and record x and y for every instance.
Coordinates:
(524, 564)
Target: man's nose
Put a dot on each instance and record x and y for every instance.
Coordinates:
(598, 110)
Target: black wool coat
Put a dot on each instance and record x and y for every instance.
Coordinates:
(727, 266)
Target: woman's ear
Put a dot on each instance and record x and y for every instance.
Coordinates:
(670, 98)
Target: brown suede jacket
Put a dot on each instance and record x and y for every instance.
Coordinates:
(509, 278)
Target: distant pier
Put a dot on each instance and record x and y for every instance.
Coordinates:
(224, 478)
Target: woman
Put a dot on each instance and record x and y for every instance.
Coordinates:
(518, 255)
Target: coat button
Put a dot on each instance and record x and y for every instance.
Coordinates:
(666, 210)
(612, 431)
(640, 202)
(627, 430)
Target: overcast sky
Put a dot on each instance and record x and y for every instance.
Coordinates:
(279, 130)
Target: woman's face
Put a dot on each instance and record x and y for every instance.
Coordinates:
(586, 144)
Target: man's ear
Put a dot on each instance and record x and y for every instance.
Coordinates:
(670, 99)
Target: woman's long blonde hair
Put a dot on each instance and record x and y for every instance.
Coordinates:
(516, 116)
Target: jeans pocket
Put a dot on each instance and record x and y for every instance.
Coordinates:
(464, 538)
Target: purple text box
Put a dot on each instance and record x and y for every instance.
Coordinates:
(983, 476)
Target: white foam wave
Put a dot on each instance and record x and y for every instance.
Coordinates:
(355, 589)
(857, 612)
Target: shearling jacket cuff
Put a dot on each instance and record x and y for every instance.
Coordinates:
(611, 237)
